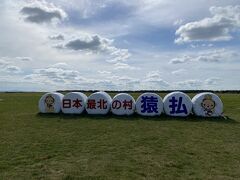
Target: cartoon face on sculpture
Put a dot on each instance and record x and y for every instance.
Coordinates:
(49, 103)
(208, 105)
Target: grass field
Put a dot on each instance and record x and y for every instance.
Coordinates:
(34, 146)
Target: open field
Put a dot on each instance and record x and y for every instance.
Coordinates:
(34, 146)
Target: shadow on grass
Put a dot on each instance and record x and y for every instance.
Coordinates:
(134, 117)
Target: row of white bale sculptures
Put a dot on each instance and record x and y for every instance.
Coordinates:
(147, 104)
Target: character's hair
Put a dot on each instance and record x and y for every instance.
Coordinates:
(49, 96)
(208, 97)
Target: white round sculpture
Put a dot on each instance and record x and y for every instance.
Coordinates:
(123, 104)
(73, 103)
(177, 104)
(98, 103)
(207, 105)
(149, 104)
(50, 103)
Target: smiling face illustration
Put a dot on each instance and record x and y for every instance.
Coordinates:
(208, 105)
(49, 103)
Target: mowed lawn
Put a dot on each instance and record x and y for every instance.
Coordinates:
(34, 146)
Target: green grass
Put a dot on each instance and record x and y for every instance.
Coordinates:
(34, 146)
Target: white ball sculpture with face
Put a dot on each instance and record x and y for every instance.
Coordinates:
(50, 103)
(73, 103)
(123, 104)
(177, 104)
(98, 103)
(207, 105)
(149, 104)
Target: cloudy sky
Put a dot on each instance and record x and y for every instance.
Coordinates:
(48, 45)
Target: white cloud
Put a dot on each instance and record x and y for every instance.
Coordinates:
(104, 72)
(42, 12)
(56, 37)
(123, 82)
(12, 69)
(154, 81)
(124, 66)
(123, 79)
(178, 22)
(213, 55)
(3, 63)
(24, 58)
(58, 74)
(192, 83)
(61, 65)
(219, 27)
(156, 84)
(153, 75)
(212, 81)
(201, 45)
(69, 79)
(88, 42)
(8, 67)
(182, 59)
(95, 44)
(196, 84)
(179, 72)
(118, 55)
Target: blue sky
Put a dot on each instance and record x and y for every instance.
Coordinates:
(49, 45)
